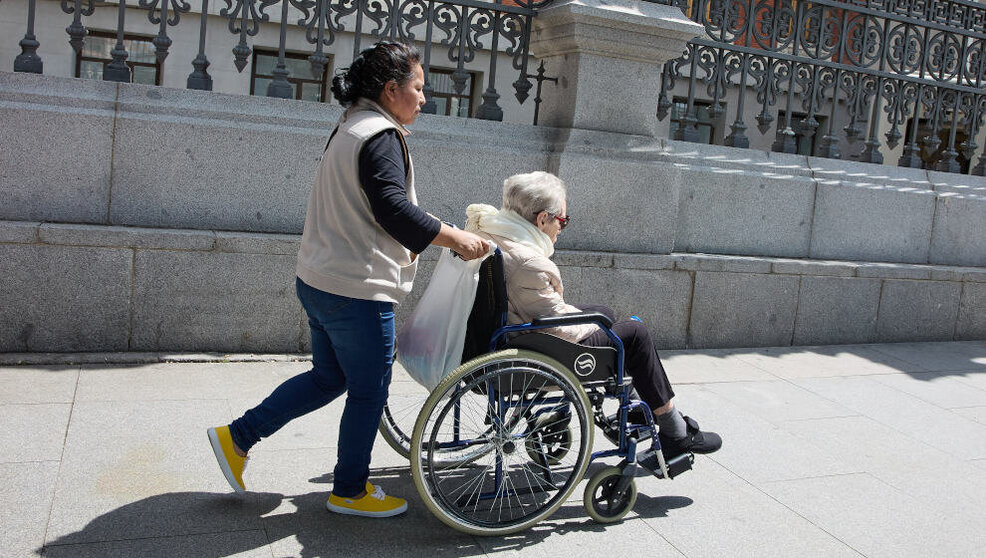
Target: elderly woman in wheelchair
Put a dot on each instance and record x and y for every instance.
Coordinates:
(503, 441)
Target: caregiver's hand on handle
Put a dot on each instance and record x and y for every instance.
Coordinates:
(467, 245)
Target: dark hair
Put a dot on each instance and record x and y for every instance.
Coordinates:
(372, 69)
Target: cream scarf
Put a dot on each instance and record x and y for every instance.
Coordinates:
(508, 224)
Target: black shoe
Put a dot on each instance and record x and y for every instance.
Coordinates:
(695, 441)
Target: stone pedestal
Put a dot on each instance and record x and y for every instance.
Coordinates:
(608, 56)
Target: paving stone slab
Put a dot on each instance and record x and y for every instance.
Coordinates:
(948, 432)
(710, 365)
(33, 432)
(875, 519)
(144, 469)
(306, 528)
(807, 362)
(163, 381)
(938, 388)
(745, 435)
(238, 544)
(26, 492)
(863, 444)
(569, 533)
(711, 512)
(943, 357)
(38, 384)
(951, 488)
(778, 401)
(977, 414)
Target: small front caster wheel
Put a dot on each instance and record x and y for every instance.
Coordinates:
(601, 501)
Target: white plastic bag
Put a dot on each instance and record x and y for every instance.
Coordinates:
(429, 345)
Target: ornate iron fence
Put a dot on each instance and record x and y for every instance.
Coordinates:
(918, 64)
(462, 27)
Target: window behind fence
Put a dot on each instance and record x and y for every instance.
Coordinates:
(447, 100)
(304, 86)
(95, 55)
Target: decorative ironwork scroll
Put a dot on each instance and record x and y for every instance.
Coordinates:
(888, 72)
(460, 28)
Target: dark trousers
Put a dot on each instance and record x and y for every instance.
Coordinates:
(640, 358)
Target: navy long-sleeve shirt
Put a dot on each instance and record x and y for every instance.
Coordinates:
(383, 177)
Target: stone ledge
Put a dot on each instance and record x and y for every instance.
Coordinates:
(19, 232)
(716, 262)
(112, 236)
(68, 234)
(37, 359)
(126, 237)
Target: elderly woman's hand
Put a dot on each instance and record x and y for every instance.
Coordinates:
(467, 245)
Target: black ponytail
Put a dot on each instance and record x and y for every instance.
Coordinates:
(372, 69)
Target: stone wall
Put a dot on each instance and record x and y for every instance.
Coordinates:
(91, 287)
(140, 218)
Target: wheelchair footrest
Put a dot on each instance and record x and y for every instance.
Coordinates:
(676, 466)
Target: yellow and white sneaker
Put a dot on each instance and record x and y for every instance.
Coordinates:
(374, 504)
(231, 464)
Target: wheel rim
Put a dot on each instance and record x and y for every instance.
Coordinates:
(505, 488)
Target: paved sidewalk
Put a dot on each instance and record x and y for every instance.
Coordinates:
(864, 450)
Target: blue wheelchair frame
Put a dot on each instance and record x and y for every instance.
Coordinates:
(627, 436)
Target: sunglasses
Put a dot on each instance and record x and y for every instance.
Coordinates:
(563, 221)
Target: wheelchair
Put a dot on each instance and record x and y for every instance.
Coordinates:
(505, 439)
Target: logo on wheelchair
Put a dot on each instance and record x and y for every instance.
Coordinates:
(585, 364)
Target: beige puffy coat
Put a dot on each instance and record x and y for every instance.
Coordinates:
(534, 288)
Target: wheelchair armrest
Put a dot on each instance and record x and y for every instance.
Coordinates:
(572, 319)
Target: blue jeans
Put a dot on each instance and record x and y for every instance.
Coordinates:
(352, 351)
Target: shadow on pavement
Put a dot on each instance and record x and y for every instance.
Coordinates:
(208, 525)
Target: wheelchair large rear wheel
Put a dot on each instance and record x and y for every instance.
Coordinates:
(396, 426)
(400, 412)
(477, 458)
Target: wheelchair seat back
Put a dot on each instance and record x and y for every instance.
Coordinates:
(489, 313)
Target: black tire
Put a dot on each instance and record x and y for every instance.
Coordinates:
(601, 503)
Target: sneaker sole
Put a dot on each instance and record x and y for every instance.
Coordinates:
(349, 511)
(217, 449)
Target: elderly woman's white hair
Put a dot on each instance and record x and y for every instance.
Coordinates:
(533, 192)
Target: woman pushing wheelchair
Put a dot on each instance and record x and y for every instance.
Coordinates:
(526, 228)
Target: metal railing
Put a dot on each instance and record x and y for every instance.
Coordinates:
(463, 27)
(917, 64)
